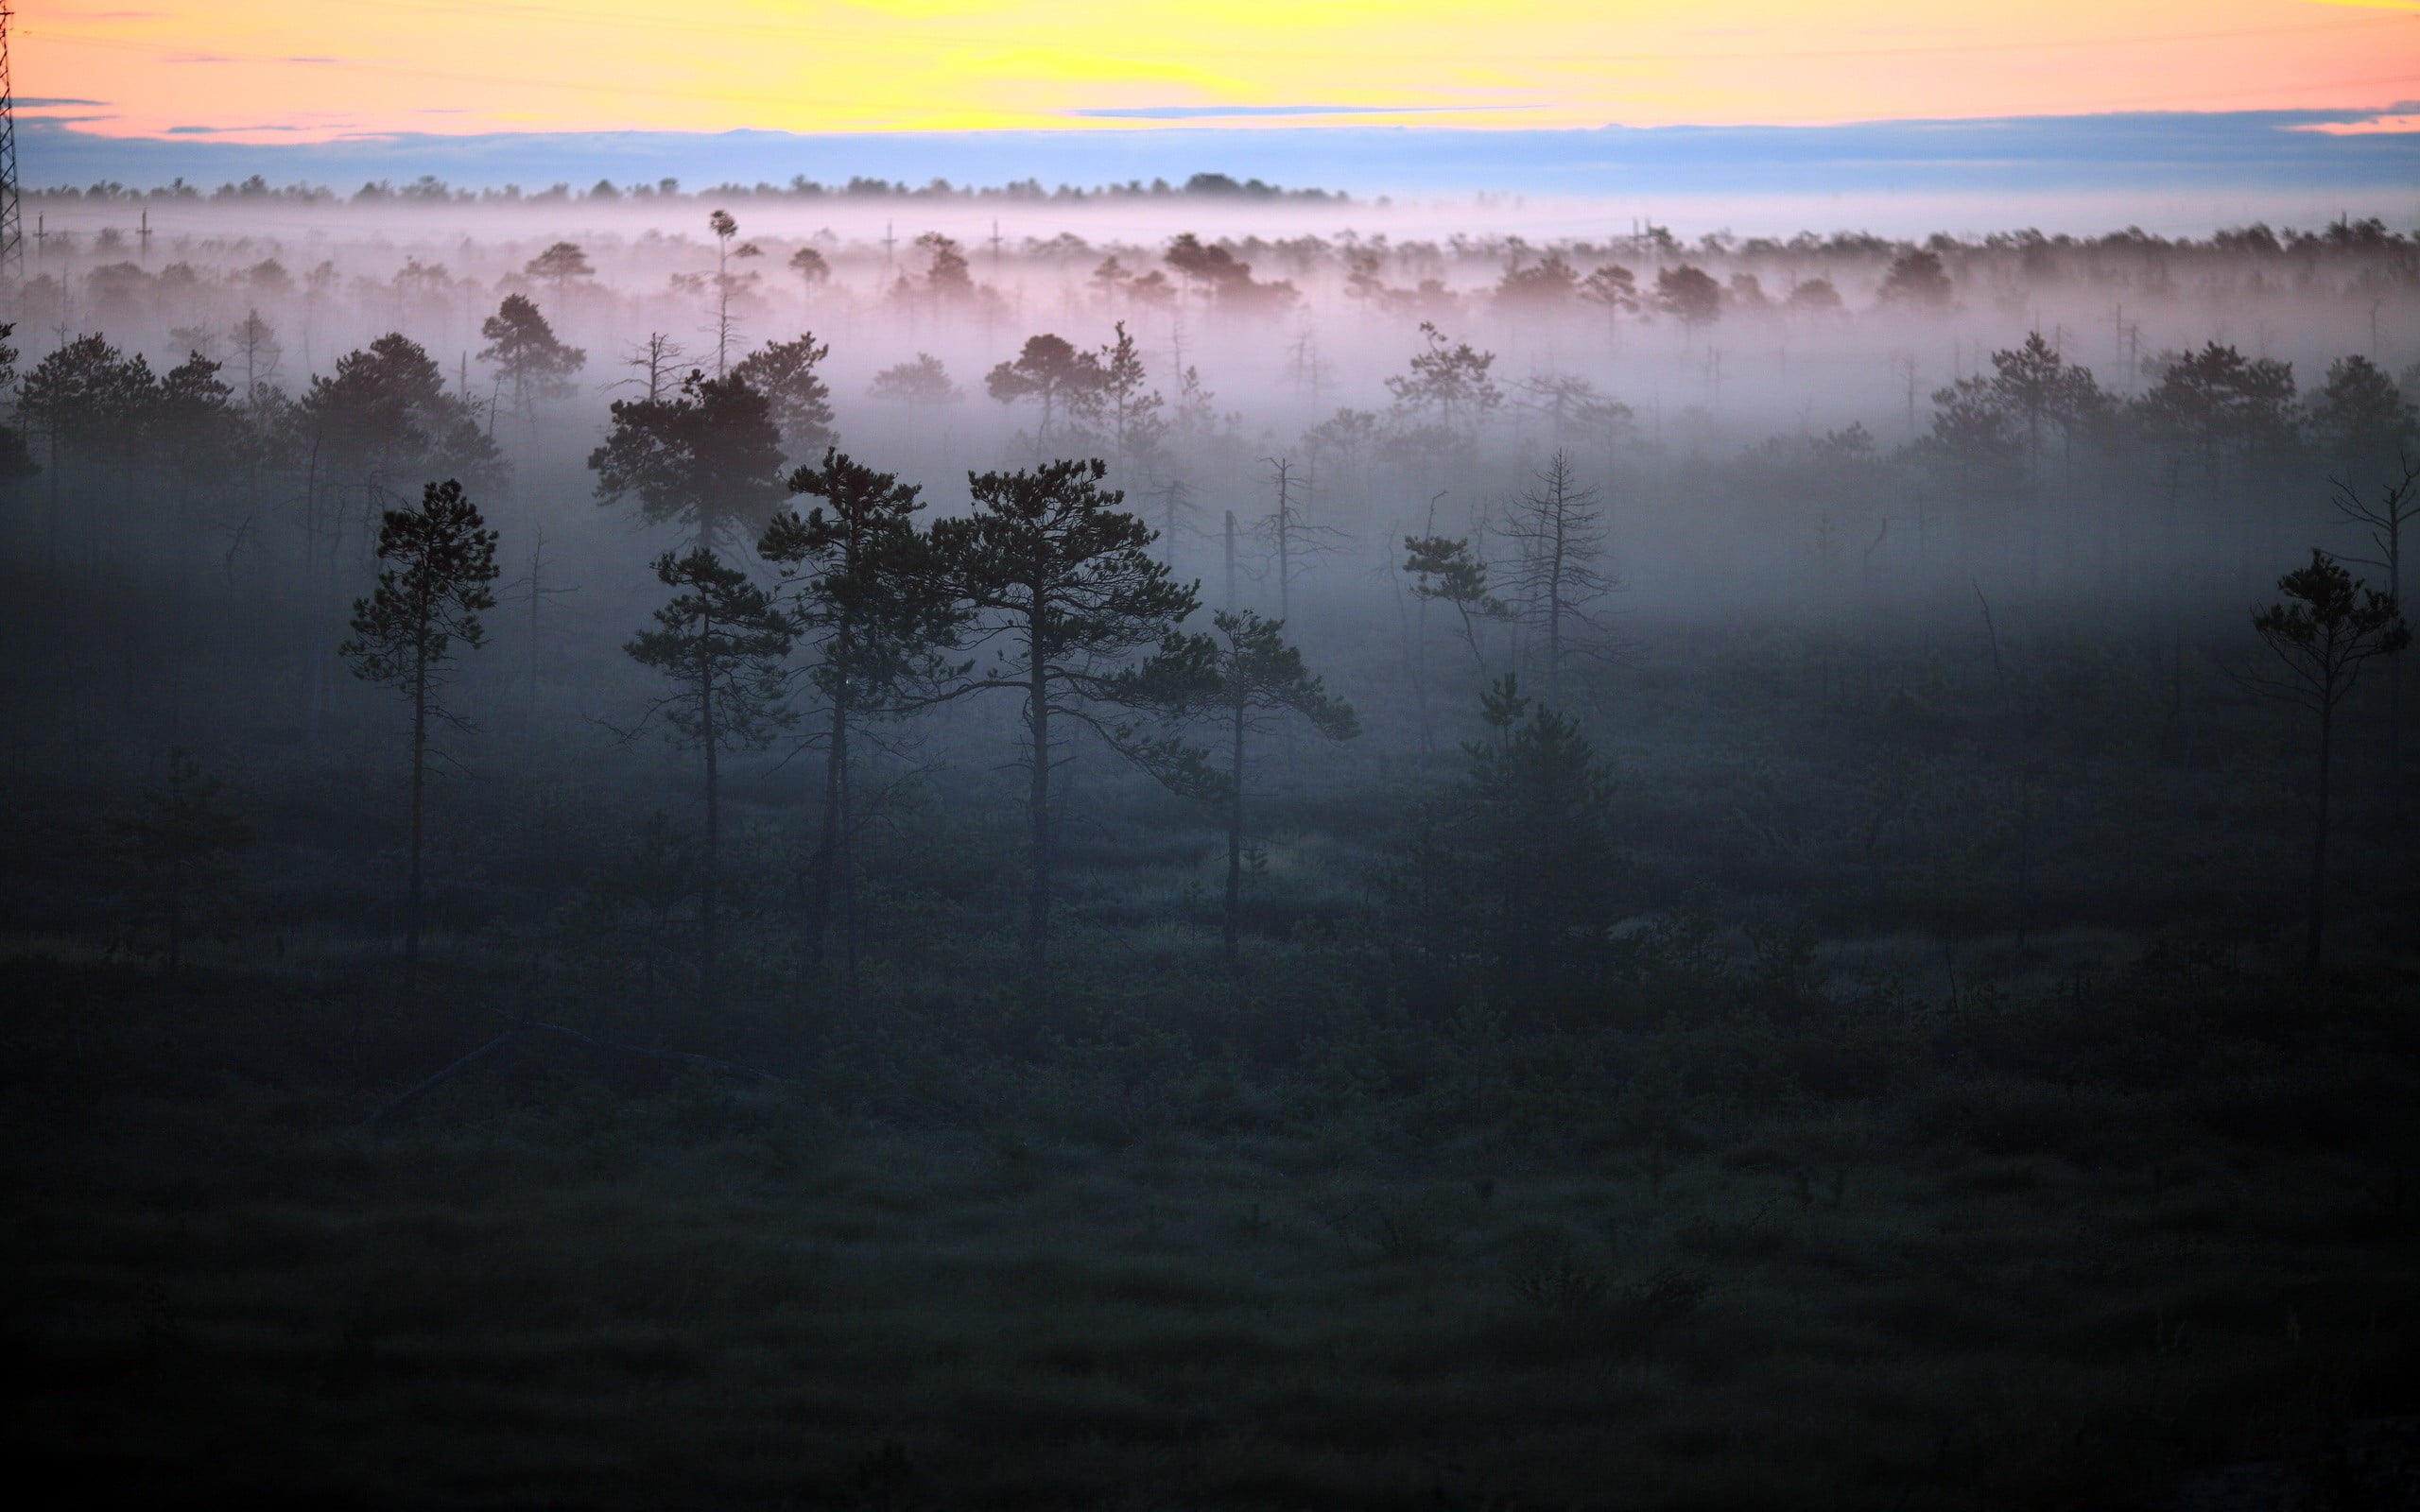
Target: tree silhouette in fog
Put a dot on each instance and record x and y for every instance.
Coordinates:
(708, 458)
(561, 264)
(1061, 587)
(798, 401)
(1131, 424)
(16, 458)
(1247, 677)
(2384, 514)
(1517, 864)
(2363, 421)
(2220, 409)
(1444, 569)
(527, 355)
(1446, 385)
(406, 633)
(721, 641)
(1916, 281)
(1690, 295)
(86, 400)
(1559, 578)
(812, 270)
(2324, 629)
(868, 599)
(923, 380)
(384, 416)
(1061, 381)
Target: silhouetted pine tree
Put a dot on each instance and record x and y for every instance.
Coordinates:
(405, 632)
(722, 640)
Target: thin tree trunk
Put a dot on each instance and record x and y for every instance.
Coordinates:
(2319, 835)
(819, 886)
(1231, 561)
(420, 779)
(1230, 925)
(709, 886)
(1037, 718)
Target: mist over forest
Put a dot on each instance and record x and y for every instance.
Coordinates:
(1204, 846)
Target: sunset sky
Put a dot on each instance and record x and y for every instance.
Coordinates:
(303, 70)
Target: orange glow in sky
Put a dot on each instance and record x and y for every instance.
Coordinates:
(298, 70)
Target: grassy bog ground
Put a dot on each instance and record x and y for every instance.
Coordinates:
(1869, 1252)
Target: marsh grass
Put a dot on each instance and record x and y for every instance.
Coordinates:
(596, 1280)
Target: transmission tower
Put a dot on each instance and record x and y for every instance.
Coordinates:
(12, 224)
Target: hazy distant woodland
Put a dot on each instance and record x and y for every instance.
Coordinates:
(1764, 870)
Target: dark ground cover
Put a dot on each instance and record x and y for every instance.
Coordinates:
(1819, 1189)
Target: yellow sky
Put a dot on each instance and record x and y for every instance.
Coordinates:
(279, 70)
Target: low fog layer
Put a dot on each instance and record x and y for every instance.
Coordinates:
(1205, 849)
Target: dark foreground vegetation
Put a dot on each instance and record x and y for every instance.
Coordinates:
(635, 959)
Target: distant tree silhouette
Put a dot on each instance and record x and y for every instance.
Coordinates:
(1546, 284)
(1974, 442)
(1612, 288)
(2324, 630)
(1517, 864)
(2042, 389)
(86, 400)
(1814, 296)
(2217, 407)
(1447, 385)
(1690, 295)
(1561, 528)
(923, 380)
(708, 458)
(404, 636)
(1916, 281)
(1059, 379)
(724, 228)
(16, 458)
(383, 414)
(560, 265)
(866, 594)
(721, 641)
(1573, 407)
(2385, 514)
(1447, 569)
(948, 277)
(2362, 421)
(257, 354)
(1131, 424)
(1246, 675)
(1224, 278)
(192, 426)
(812, 270)
(1061, 584)
(656, 361)
(525, 353)
(178, 848)
(798, 400)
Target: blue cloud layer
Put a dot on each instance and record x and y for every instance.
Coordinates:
(2146, 152)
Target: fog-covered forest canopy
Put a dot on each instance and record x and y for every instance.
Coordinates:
(1207, 837)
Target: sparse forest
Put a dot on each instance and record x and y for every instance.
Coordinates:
(1216, 853)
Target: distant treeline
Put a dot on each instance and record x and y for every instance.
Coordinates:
(430, 189)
